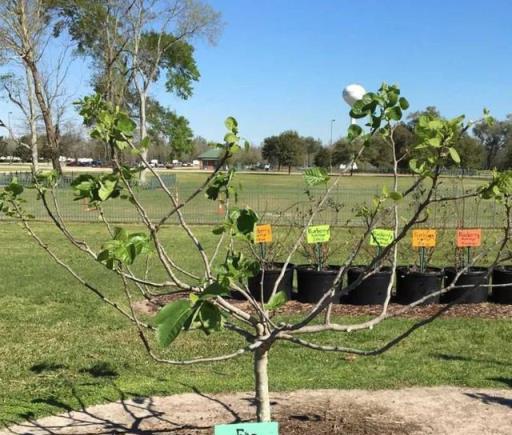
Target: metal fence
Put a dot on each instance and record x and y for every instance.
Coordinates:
(65, 180)
(282, 206)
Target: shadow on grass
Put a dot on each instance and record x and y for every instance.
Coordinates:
(46, 366)
(462, 358)
(489, 399)
(100, 370)
(506, 381)
(138, 416)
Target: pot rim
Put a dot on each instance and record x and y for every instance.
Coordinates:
(475, 270)
(430, 271)
(310, 268)
(384, 270)
(279, 265)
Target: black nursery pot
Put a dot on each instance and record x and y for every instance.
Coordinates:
(412, 285)
(502, 275)
(312, 284)
(269, 279)
(370, 291)
(475, 276)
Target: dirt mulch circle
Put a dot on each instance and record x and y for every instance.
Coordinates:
(441, 410)
(484, 311)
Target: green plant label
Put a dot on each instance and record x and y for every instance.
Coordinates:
(247, 429)
(318, 234)
(381, 237)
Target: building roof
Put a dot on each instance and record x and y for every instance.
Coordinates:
(211, 154)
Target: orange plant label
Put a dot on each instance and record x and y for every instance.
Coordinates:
(469, 238)
(263, 233)
(424, 238)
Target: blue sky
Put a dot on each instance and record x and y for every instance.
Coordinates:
(282, 64)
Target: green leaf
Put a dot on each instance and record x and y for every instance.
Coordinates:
(454, 154)
(413, 165)
(219, 230)
(354, 131)
(14, 187)
(120, 234)
(435, 142)
(404, 104)
(171, 320)
(145, 143)
(277, 300)
(230, 123)
(210, 318)
(213, 290)
(230, 138)
(125, 124)
(106, 189)
(394, 113)
(246, 221)
(315, 176)
(395, 196)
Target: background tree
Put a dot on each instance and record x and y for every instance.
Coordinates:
(290, 149)
(494, 139)
(343, 151)
(25, 27)
(145, 40)
(286, 149)
(169, 130)
(270, 151)
(20, 92)
(311, 147)
(247, 157)
(199, 146)
(323, 158)
(471, 152)
(4, 146)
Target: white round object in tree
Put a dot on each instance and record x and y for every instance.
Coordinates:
(353, 93)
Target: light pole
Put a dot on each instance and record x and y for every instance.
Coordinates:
(330, 147)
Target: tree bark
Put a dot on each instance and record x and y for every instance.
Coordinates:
(51, 133)
(261, 385)
(143, 132)
(32, 122)
(29, 61)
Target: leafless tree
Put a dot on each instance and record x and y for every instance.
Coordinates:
(25, 29)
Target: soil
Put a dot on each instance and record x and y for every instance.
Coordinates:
(484, 310)
(440, 410)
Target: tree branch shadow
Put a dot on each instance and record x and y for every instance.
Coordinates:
(462, 358)
(143, 418)
(489, 399)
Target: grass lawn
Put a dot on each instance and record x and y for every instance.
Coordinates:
(60, 346)
(280, 198)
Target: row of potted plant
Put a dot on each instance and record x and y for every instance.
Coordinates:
(412, 284)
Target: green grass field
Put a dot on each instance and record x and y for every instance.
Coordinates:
(280, 199)
(60, 346)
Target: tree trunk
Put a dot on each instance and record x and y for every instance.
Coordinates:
(51, 133)
(261, 384)
(32, 122)
(143, 133)
(29, 61)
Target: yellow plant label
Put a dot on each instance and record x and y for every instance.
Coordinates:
(424, 238)
(318, 234)
(263, 233)
(381, 237)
